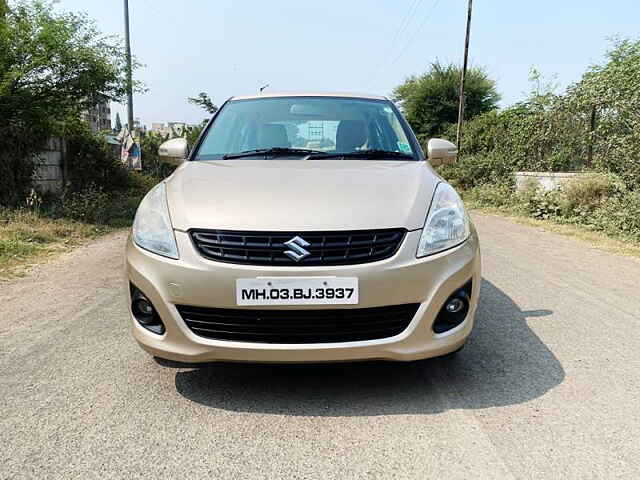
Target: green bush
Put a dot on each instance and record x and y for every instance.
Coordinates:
(91, 205)
(91, 163)
(151, 162)
(618, 214)
(141, 183)
(52, 65)
(498, 196)
(551, 132)
(545, 205)
(599, 202)
(430, 101)
(580, 197)
(483, 134)
(96, 206)
(611, 90)
(474, 170)
(554, 132)
(18, 149)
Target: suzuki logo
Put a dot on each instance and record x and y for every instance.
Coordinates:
(297, 252)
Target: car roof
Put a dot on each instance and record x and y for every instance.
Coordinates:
(310, 94)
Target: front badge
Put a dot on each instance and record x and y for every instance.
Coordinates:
(297, 251)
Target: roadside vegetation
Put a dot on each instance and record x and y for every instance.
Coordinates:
(28, 237)
(592, 127)
(52, 67)
(100, 196)
(598, 209)
(429, 101)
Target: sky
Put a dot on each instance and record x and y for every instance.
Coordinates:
(233, 47)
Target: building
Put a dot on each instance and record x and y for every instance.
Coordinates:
(171, 129)
(98, 117)
(138, 127)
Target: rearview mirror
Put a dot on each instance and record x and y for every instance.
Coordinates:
(441, 152)
(174, 151)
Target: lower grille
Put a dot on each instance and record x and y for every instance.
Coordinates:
(298, 326)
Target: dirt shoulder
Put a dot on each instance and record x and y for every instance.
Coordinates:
(28, 239)
(595, 239)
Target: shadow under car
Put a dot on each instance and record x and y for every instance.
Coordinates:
(504, 363)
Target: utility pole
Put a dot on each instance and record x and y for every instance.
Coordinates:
(129, 72)
(592, 134)
(463, 76)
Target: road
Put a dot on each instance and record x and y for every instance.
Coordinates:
(548, 387)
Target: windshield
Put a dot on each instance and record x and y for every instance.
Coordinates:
(299, 126)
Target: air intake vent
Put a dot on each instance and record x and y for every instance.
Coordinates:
(298, 326)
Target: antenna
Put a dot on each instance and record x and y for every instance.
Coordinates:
(263, 87)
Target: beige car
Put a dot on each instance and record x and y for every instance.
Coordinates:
(303, 228)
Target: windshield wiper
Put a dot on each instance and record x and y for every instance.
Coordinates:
(272, 151)
(363, 154)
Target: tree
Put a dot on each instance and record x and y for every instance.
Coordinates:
(593, 124)
(608, 95)
(52, 66)
(153, 164)
(192, 133)
(430, 101)
(204, 101)
(118, 127)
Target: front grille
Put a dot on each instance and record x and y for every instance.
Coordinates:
(325, 248)
(298, 326)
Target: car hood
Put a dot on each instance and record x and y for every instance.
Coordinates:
(299, 195)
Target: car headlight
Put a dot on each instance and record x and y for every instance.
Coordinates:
(447, 224)
(152, 228)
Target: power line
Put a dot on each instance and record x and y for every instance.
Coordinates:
(406, 21)
(415, 35)
(408, 44)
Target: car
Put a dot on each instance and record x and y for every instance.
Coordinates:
(259, 248)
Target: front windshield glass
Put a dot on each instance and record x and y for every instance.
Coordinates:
(321, 124)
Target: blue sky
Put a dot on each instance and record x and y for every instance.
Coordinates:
(231, 47)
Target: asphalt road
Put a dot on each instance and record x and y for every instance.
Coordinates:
(548, 387)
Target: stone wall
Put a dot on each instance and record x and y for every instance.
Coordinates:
(49, 175)
(546, 180)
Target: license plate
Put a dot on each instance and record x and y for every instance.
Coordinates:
(297, 291)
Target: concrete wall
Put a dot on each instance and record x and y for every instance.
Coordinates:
(49, 173)
(546, 180)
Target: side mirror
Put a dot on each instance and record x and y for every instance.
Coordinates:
(174, 151)
(441, 152)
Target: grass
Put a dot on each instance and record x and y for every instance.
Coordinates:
(32, 236)
(28, 238)
(598, 210)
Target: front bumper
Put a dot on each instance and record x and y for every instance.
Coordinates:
(401, 279)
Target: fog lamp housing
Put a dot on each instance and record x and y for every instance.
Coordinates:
(144, 311)
(455, 310)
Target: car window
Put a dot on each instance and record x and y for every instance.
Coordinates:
(326, 124)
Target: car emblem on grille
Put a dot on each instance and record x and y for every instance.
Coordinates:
(297, 252)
